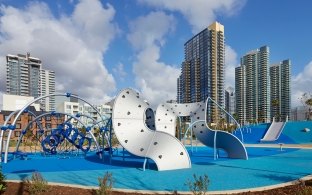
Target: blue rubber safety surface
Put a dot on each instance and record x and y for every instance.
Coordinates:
(292, 133)
(266, 166)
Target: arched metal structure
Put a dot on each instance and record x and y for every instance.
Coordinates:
(33, 101)
(66, 122)
(102, 129)
(130, 126)
(11, 127)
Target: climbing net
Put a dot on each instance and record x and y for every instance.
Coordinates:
(66, 136)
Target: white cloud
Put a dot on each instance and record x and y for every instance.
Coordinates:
(199, 13)
(156, 80)
(119, 71)
(1, 100)
(72, 46)
(150, 30)
(301, 83)
(2, 72)
(231, 62)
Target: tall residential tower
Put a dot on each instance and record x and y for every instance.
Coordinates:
(280, 90)
(230, 103)
(262, 91)
(25, 77)
(252, 87)
(202, 71)
(48, 87)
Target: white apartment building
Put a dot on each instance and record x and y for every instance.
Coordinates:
(48, 87)
(17, 102)
(25, 77)
(71, 108)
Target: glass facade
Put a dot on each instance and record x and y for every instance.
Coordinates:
(262, 92)
(280, 90)
(24, 77)
(202, 72)
(252, 87)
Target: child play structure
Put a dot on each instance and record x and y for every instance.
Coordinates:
(65, 137)
(139, 130)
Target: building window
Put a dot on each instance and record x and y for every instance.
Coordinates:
(17, 133)
(19, 118)
(18, 125)
(6, 117)
(68, 106)
(48, 118)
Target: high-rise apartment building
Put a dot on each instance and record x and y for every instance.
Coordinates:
(230, 103)
(48, 87)
(280, 90)
(240, 93)
(202, 71)
(25, 77)
(252, 87)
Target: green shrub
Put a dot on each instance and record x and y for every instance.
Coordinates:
(306, 190)
(37, 184)
(199, 186)
(3, 184)
(105, 184)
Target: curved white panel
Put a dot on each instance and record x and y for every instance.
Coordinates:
(166, 114)
(224, 140)
(165, 119)
(197, 111)
(133, 134)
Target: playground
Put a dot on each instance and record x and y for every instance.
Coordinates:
(149, 156)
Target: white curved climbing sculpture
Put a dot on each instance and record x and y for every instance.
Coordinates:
(165, 120)
(130, 126)
(167, 113)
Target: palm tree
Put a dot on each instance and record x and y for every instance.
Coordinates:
(275, 105)
(308, 102)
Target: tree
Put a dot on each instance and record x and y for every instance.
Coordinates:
(275, 105)
(235, 116)
(309, 103)
(306, 100)
(221, 124)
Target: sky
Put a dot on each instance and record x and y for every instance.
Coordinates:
(97, 48)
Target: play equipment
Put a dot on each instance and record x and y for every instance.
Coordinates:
(64, 139)
(132, 121)
(138, 129)
(130, 126)
(166, 121)
(5, 128)
(274, 131)
(103, 128)
(18, 113)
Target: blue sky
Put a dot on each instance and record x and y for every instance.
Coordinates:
(99, 47)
